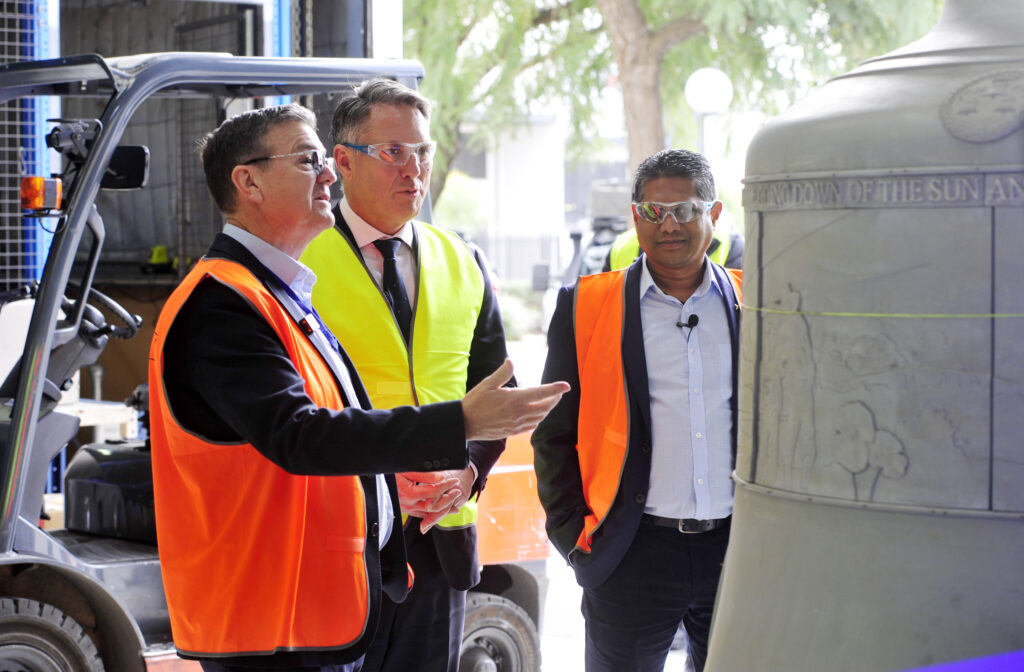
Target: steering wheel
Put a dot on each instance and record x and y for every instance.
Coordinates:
(131, 322)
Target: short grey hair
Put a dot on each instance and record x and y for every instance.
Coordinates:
(353, 111)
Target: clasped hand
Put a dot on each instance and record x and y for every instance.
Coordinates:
(490, 411)
(432, 495)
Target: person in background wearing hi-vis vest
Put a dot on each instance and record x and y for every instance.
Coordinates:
(429, 328)
(726, 248)
(277, 527)
(633, 464)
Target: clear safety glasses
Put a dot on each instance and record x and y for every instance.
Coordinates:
(397, 153)
(683, 211)
(316, 158)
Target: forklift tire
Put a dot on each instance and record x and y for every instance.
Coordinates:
(498, 637)
(38, 637)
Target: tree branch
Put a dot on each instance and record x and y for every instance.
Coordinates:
(675, 32)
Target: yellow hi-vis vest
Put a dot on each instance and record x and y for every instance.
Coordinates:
(447, 306)
(626, 248)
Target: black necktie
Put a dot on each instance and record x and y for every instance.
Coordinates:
(394, 288)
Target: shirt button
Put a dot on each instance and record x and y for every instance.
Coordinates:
(696, 390)
(697, 435)
(700, 481)
(692, 348)
(639, 498)
(445, 462)
(426, 465)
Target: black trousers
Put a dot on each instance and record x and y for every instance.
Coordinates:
(423, 633)
(665, 578)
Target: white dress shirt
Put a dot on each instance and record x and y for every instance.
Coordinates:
(365, 235)
(690, 381)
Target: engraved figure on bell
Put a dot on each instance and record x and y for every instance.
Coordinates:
(986, 109)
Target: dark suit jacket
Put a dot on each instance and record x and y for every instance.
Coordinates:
(554, 441)
(230, 379)
(456, 549)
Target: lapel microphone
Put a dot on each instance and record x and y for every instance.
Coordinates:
(690, 323)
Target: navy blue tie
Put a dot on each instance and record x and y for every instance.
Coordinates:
(394, 288)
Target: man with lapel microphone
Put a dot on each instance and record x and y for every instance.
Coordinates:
(634, 463)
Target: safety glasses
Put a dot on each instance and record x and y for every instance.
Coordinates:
(683, 211)
(397, 153)
(316, 158)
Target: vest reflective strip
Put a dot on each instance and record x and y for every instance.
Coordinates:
(626, 248)
(603, 429)
(444, 319)
(245, 574)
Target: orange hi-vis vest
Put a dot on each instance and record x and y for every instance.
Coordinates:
(604, 421)
(255, 560)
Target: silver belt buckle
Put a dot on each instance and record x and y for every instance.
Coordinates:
(682, 522)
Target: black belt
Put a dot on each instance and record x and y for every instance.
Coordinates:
(687, 525)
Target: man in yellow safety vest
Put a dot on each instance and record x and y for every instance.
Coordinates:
(429, 327)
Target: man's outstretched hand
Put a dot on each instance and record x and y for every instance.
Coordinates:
(491, 411)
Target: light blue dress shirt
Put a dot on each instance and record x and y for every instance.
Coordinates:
(689, 375)
(300, 278)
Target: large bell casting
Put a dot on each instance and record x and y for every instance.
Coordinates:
(879, 518)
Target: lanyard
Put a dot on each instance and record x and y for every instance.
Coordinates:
(307, 325)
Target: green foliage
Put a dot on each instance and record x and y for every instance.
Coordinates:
(776, 50)
(491, 63)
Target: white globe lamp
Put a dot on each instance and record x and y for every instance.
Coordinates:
(707, 91)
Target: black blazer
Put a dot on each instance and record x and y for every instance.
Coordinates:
(230, 380)
(559, 483)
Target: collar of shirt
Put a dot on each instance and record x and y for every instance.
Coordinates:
(365, 233)
(706, 283)
(299, 277)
